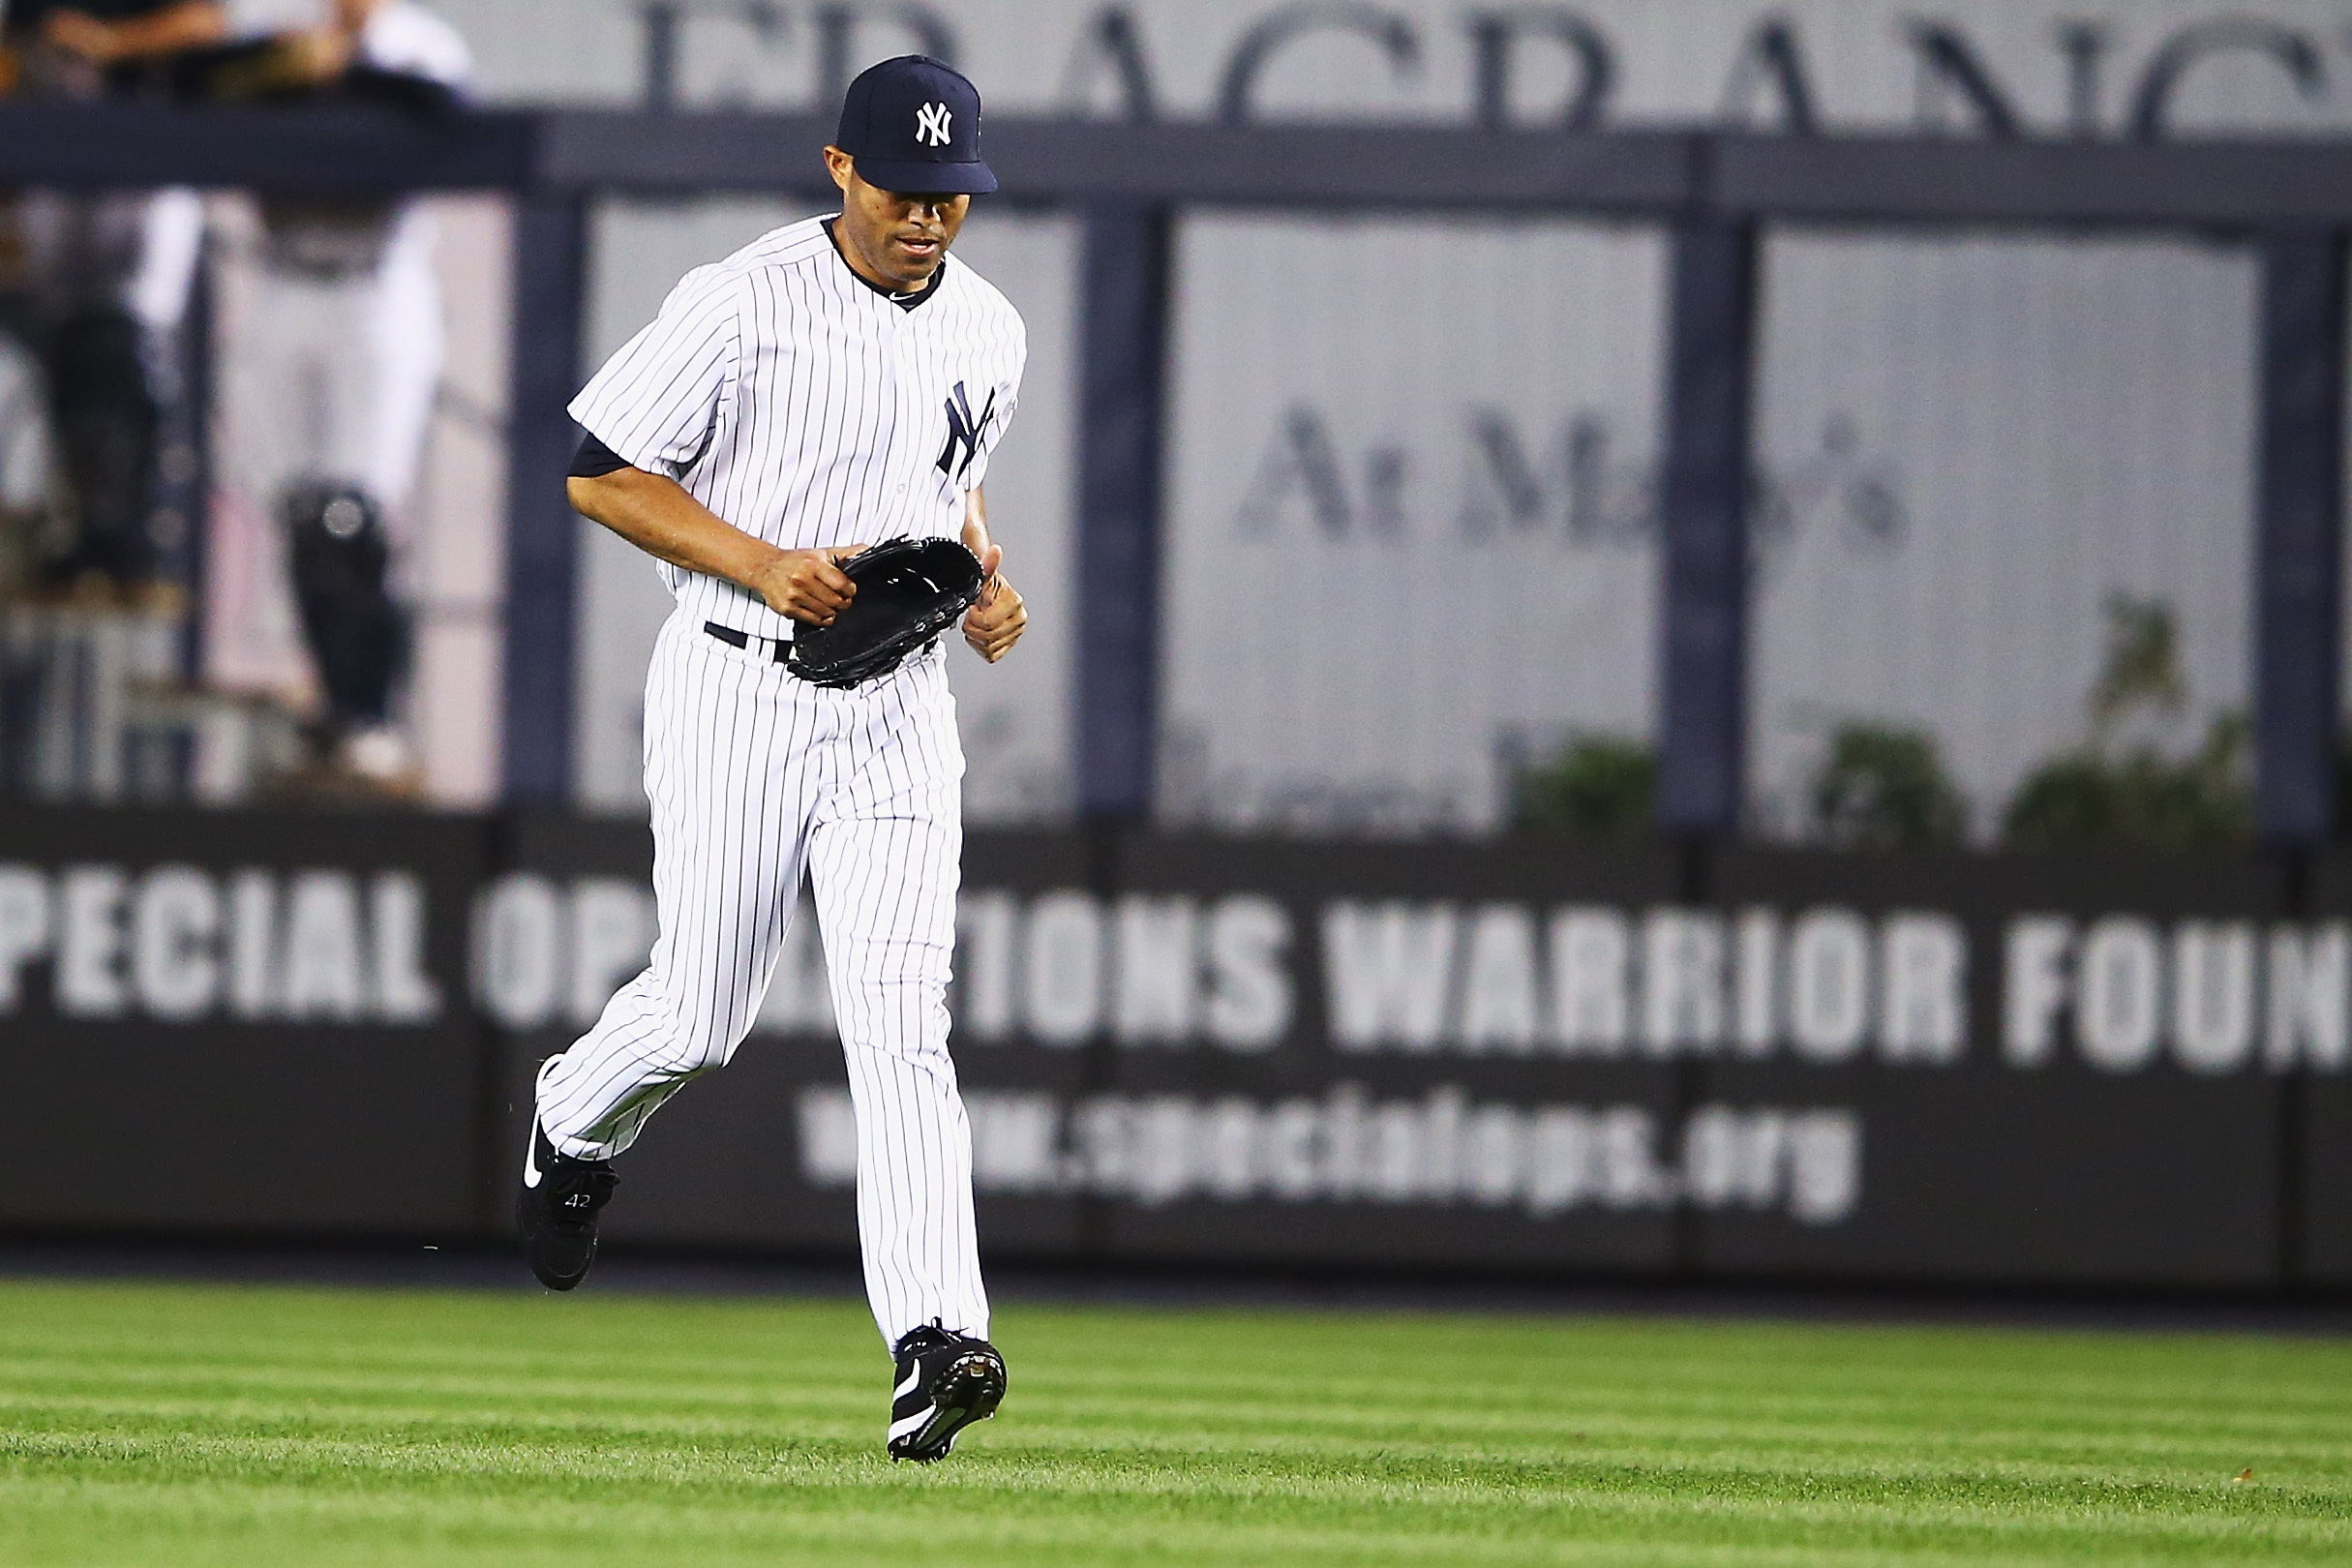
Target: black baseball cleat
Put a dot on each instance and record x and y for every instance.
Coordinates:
(946, 1382)
(555, 1211)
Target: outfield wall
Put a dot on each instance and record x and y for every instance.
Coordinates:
(1960, 1069)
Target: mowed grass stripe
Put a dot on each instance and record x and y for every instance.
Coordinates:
(190, 1425)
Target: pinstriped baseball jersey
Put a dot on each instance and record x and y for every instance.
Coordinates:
(807, 407)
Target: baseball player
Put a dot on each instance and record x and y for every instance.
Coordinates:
(835, 382)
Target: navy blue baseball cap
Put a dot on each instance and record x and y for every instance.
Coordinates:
(913, 124)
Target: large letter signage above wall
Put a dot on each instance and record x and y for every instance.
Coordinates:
(2023, 68)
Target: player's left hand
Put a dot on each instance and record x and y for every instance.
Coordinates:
(994, 623)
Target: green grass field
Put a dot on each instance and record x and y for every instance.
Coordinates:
(197, 1425)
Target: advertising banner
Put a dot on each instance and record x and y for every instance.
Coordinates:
(1958, 1069)
(2057, 1070)
(1289, 1054)
(240, 1021)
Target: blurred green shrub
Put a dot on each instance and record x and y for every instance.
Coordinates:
(2110, 791)
(2141, 798)
(1882, 788)
(2142, 669)
(1598, 788)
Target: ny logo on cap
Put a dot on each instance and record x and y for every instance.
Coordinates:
(931, 125)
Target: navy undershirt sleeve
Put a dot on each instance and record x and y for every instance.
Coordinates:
(594, 460)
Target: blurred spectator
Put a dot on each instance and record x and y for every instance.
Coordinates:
(396, 38)
(70, 45)
(389, 50)
(357, 316)
(340, 389)
(24, 462)
(357, 636)
(110, 276)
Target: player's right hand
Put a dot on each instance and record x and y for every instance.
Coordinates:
(809, 584)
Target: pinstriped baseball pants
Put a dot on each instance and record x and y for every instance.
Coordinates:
(754, 776)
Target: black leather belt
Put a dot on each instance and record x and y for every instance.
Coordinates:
(739, 639)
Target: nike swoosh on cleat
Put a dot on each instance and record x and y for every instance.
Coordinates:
(530, 1158)
(914, 1377)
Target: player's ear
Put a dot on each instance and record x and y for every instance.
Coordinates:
(840, 165)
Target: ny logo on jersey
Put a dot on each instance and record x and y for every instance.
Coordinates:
(931, 125)
(964, 431)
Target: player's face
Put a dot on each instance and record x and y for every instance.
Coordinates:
(902, 236)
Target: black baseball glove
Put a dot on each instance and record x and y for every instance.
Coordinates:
(909, 590)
